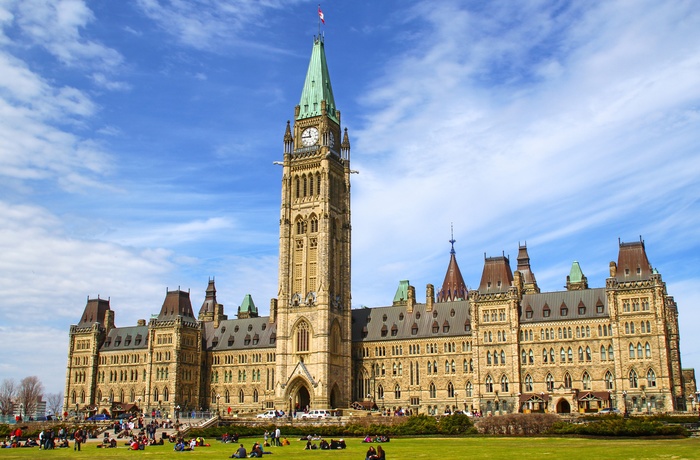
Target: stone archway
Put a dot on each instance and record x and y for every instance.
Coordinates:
(563, 407)
(335, 397)
(299, 396)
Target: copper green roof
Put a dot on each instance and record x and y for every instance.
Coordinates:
(317, 86)
(248, 305)
(402, 292)
(576, 275)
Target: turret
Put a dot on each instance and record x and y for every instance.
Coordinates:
(576, 280)
(453, 287)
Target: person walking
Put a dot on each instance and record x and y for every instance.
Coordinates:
(277, 437)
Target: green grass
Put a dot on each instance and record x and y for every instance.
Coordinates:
(414, 448)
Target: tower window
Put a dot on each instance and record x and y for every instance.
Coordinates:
(302, 337)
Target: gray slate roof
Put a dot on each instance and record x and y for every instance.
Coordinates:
(453, 314)
(126, 338)
(590, 298)
(232, 334)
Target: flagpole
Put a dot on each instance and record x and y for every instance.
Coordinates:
(319, 21)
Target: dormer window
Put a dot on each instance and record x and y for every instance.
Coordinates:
(414, 329)
(499, 283)
(488, 285)
(627, 271)
(639, 270)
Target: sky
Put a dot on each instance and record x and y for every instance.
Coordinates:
(137, 141)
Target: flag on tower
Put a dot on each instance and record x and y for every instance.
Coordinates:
(320, 14)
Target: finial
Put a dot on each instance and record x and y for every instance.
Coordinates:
(452, 238)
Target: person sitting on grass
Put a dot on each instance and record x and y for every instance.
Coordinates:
(256, 451)
(380, 455)
(240, 453)
(371, 453)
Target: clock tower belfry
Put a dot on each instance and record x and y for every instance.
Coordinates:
(313, 309)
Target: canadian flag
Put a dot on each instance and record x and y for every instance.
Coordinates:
(320, 14)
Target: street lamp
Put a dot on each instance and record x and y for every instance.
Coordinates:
(624, 399)
(456, 406)
(218, 397)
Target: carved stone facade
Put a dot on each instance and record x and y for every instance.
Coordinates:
(503, 347)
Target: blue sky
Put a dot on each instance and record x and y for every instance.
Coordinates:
(137, 139)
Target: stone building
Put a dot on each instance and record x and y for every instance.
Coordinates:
(503, 347)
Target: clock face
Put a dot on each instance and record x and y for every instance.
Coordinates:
(331, 139)
(309, 137)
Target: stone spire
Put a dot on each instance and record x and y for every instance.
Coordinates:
(528, 278)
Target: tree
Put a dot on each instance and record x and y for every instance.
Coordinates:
(54, 403)
(29, 393)
(8, 392)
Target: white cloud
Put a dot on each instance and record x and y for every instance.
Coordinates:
(213, 24)
(56, 25)
(531, 125)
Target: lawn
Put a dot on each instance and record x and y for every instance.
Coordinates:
(415, 448)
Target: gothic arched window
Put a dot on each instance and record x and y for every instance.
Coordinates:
(302, 337)
(609, 384)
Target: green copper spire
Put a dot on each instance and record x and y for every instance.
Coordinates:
(402, 292)
(317, 87)
(576, 274)
(247, 308)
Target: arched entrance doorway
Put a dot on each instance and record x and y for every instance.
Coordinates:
(299, 398)
(563, 407)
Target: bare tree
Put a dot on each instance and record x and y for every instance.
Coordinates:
(29, 394)
(8, 391)
(54, 403)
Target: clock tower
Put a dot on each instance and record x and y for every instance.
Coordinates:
(313, 307)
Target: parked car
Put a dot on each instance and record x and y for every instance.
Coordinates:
(268, 414)
(316, 414)
(608, 410)
(98, 417)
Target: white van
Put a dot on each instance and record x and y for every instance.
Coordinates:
(316, 414)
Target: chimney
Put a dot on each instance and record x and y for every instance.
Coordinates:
(429, 297)
(411, 298)
(273, 310)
